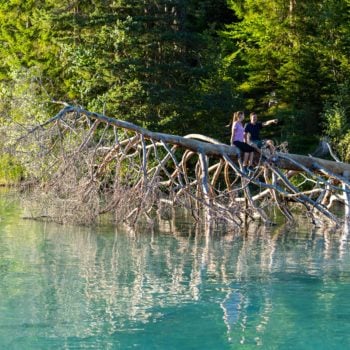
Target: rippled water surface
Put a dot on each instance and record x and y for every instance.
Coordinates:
(175, 287)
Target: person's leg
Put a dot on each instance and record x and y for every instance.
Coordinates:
(250, 159)
(245, 159)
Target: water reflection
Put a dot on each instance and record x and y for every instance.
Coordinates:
(314, 260)
(95, 286)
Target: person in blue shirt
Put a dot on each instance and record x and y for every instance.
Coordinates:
(252, 132)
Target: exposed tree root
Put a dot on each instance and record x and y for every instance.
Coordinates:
(94, 165)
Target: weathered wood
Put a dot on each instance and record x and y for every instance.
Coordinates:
(195, 171)
(281, 160)
(209, 146)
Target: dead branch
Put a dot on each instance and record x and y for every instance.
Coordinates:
(100, 165)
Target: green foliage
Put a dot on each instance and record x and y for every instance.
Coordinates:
(143, 62)
(343, 147)
(11, 170)
(337, 123)
(181, 66)
(301, 183)
(295, 51)
(22, 98)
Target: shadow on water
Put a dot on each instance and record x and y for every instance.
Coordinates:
(174, 286)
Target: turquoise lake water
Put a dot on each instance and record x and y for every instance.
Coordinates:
(171, 288)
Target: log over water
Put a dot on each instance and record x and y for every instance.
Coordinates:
(95, 164)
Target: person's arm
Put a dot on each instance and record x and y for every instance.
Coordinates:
(246, 132)
(247, 137)
(270, 122)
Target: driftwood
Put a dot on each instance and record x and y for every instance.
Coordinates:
(95, 164)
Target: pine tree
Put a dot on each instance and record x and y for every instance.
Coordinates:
(143, 61)
(156, 63)
(283, 51)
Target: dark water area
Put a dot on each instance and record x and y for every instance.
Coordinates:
(172, 287)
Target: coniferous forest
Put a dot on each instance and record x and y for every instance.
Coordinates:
(180, 66)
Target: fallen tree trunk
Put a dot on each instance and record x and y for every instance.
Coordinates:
(293, 161)
(99, 164)
(209, 146)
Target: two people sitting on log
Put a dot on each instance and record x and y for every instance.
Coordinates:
(252, 132)
(247, 139)
(237, 139)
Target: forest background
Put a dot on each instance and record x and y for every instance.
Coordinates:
(178, 66)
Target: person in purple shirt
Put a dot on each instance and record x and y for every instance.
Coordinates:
(237, 139)
(252, 132)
